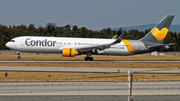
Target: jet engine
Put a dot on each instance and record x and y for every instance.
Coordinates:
(69, 52)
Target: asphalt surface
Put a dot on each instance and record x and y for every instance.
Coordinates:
(89, 88)
(89, 98)
(61, 69)
(89, 91)
(95, 61)
(89, 70)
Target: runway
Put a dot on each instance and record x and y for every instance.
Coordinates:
(117, 61)
(71, 70)
(89, 70)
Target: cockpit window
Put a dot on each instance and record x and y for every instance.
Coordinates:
(12, 41)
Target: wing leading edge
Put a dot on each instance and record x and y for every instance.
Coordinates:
(97, 47)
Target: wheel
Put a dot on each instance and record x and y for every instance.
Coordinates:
(19, 57)
(91, 58)
(86, 58)
(18, 52)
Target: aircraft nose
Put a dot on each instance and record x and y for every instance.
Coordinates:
(8, 45)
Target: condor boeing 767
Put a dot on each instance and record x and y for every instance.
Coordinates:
(70, 47)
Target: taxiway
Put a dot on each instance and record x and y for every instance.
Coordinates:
(89, 88)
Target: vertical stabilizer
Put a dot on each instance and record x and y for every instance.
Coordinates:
(159, 32)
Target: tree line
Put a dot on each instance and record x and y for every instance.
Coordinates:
(7, 33)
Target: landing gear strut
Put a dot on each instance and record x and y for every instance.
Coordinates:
(18, 53)
(88, 58)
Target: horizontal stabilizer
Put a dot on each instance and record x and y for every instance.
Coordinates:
(156, 46)
(160, 46)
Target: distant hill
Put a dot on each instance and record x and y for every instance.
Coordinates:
(173, 28)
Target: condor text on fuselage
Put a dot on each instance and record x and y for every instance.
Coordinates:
(44, 42)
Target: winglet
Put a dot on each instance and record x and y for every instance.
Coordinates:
(115, 36)
(119, 39)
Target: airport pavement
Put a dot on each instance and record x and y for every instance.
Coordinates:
(89, 88)
(89, 91)
(95, 61)
(61, 69)
(89, 70)
(160, 71)
(89, 98)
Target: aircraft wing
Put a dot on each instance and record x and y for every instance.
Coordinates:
(119, 39)
(97, 47)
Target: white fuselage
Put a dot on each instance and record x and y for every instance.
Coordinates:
(37, 44)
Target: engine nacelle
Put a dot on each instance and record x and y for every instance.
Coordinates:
(69, 52)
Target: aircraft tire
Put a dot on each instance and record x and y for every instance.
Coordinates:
(19, 57)
(86, 58)
(91, 58)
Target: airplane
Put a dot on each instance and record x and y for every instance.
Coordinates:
(71, 47)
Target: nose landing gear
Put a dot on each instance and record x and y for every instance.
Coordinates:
(19, 57)
(18, 53)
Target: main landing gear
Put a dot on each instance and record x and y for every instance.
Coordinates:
(88, 57)
(18, 53)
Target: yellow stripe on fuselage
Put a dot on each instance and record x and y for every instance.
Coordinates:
(128, 46)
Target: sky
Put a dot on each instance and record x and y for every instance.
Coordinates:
(92, 14)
